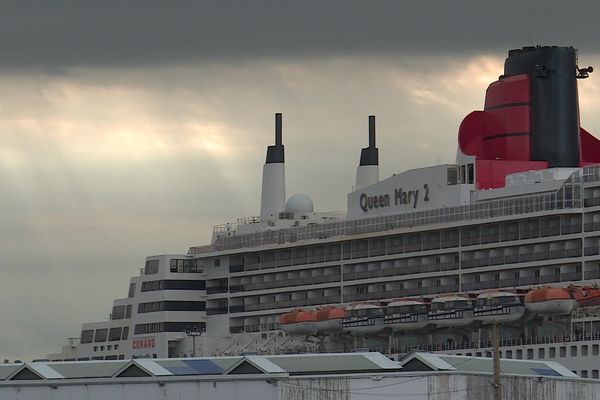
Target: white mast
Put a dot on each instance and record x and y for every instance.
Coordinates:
(273, 183)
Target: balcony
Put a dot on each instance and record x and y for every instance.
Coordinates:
(333, 256)
(236, 268)
(526, 257)
(469, 241)
(570, 229)
(494, 238)
(236, 309)
(550, 231)
(496, 260)
(395, 249)
(217, 289)
(508, 282)
(529, 280)
(549, 278)
(570, 276)
(449, 243)
(492, 284)
(592, 226)
(592, 250)
(592, 202)
(216, 310)
(592, 274)
(509, 236)
(511, 258)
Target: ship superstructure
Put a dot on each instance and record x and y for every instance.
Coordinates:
(412, 260)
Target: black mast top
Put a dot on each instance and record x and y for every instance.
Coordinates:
(275, 154)
(370, 155)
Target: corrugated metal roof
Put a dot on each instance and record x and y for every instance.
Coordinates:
(86, 369)
(264, 364)
(45, 371)
(191, 366)
(152, 367)
(343, 362)
(445, 362)
(7, 370)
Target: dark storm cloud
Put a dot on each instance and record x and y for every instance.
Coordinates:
(66, 33)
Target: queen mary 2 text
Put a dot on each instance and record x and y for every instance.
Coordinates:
(401, 197)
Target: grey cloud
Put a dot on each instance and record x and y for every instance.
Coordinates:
(52, 35)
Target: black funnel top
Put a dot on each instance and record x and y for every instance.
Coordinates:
(275, 154)
(554, 103)
(370, 155)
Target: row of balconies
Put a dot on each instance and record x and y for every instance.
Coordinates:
(522, 281)
(524, 257)
(388, 294)
(311, 280)
(521, 234)
(409, 243)
(406, 270)
(287, 303)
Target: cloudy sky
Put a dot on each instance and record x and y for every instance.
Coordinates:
(129, 130)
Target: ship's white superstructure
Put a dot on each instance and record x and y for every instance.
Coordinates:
(428, 243)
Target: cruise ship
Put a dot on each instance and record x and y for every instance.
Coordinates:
(429, 258)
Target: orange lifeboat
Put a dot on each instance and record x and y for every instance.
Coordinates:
(550, 301)
(298, 322)
(587, 296)
(329, 319)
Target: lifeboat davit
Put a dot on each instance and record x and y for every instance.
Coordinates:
(406, 315)
(550, 301)
(363, 318)
(298, 322)
(587, 296)
(449, 311)
(498, 307)
(329, 319)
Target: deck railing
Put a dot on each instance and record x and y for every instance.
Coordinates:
(569, 196)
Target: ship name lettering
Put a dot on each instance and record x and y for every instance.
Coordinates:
(406, 197)
(378, 201)
(145, 343)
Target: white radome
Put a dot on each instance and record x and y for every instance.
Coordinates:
(299, 204)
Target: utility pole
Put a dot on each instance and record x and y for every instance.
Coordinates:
(193, 333)
(496, 354)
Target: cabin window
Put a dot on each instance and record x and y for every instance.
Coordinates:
(541, 353)
(529, 354)
(563, 351)
(470, 173)
(595, 349)
(552, 352)
(584, 350)
(573, 351)
(452, 175)
(101, 335)
(595, 374)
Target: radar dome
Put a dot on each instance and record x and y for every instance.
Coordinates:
(299, 204)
